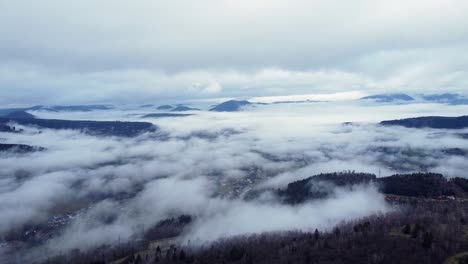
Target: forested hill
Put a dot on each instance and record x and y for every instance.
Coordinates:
(423, 231)
(440, 122)
(427, 185)
(103, 128)
(19, 148)
(430, 232)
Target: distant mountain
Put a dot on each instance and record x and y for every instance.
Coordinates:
(159, 115)
(230, 106)
(182, 108)
(6, 111)
(58, 108)
(76, 108)
(430, 122)
(102, 128)
(147, 106)
(19, 114)
(165, 107)
(448, 98)
(387, 98)
(297, 102)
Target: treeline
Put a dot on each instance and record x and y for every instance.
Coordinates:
(440, 122)
(321, 186)
(102, 128)
(423, 229)
(427, 232)
(427, 185)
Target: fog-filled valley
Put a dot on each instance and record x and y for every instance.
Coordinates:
(63, 190)
(233, 132)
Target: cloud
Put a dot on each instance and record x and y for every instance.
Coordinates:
(116, 188)
(116, 51)
(30, 201)
(238, 218)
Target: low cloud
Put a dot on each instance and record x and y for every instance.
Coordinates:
(232, 218)
(116, 188)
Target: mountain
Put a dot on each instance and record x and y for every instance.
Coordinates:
(146, 106)
(159, 115)
(19, 114)
(230, 106)
(430, 122)
(182, 108)
(102, 128)
(448, 98)
(387, 98)
(165, 107)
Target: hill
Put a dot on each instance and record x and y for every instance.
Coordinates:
(428, 232)
(165, 107)
(387, 98)
(57, 108)
(182, 108)
(427, 185)
(20, 115)
(230, 106)
(430, 122)
(159, 115)
(321, 186)
(76, 108)
(425, 229)
(448, 98)
(102, 128)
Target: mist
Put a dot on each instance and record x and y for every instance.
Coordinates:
(204, 165)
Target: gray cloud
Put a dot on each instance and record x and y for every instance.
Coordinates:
(53, 52)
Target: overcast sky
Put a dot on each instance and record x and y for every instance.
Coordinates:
(88, 51)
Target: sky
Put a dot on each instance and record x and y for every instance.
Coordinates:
(115, 51)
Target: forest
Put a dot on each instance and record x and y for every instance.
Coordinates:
(428, 224)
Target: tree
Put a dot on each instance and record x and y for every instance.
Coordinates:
(316, 234)
(415, 232)
(182, 255)
(406, 230)
(427, 240)
(138, 259)
(236, 253)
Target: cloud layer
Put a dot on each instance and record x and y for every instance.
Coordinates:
(122, 51)
(115, 188)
